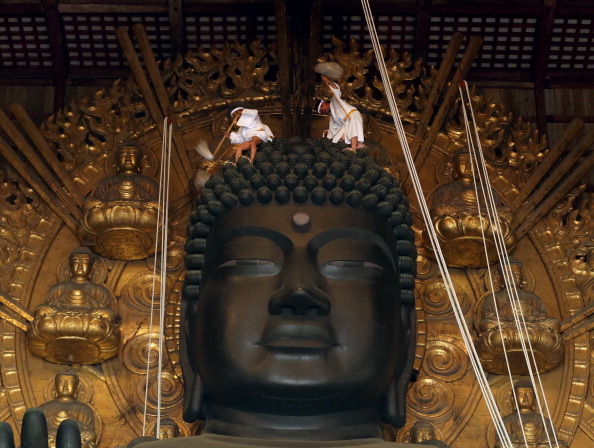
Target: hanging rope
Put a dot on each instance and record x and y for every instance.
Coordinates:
(458, 313)
(485, 191)
(511, 287)
(160, 247)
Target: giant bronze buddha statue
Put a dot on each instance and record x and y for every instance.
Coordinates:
(298, 308)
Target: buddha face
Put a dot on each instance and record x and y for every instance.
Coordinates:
(526, 398)
(168, 431)
(299, 310)
(81, 265)
(66, 385)
(462, 165)
(422, 434)
(129, 158)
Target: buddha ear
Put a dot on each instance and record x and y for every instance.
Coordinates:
(194, 407)
(394, 405)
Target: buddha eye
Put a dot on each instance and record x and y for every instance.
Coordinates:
(247, 262)
(352, 264)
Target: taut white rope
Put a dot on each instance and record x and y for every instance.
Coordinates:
(508, 275)
(466, 336)
(160, 246)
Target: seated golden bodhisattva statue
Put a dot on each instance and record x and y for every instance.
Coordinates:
(120, 217)
(65, 406)
(533, 424)
(455, 214)
(543, 331)
(76, 324)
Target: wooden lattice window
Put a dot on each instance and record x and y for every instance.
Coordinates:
(92, 43)
(213, 31)
(266, 29)
(24, 42)
(572, 44)
(509, 42)
(396, 32)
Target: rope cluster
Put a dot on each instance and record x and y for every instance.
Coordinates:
(303, 171)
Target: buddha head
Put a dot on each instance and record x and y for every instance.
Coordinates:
(168, 429)
(525, 395)
(66, 383)
(422, 431)
(299, 296)
(129, 157)
(516, 270)
(462, 164)
(81, 264)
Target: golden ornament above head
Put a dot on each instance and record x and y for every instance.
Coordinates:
(120, 216)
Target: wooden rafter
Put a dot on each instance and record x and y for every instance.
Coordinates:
(57, 49)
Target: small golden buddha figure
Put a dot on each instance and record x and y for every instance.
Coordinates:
(455, 214)
(543, 331)
(65, 406)
(423, 431)
(76, 324)
(120, 216)
(168, 429)
(535, 426)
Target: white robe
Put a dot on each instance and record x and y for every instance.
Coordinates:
(346, 121)
(250, 126)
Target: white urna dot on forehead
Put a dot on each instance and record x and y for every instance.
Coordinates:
(301, 220)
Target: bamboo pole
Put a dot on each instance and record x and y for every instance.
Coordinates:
(43, 147)
(438, 85)
(15, 307)
(545, 166)
(577, 318)
(552, 180)
(449, 98)
(162, 97)
(149, 98)
(560, 191)
(37, 184)
(38, 165)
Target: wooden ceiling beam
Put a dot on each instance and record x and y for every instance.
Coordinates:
(422, 24)
(543, 43)
(57, 50)
(178, 29)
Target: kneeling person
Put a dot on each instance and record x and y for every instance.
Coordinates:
(252, 132)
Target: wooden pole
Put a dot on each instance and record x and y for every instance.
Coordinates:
(561, 190)
(284, 66)
(438, 85)
(37, 184)
(155, 76)
(38, 165)
(449, 98)
(547, 163)
(551, 181)
(149, 98)
(44, 149)
(216, 151)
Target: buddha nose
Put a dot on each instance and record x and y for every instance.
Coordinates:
(299, 302)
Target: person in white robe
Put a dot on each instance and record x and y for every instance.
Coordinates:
(346, 122)
(251, 133)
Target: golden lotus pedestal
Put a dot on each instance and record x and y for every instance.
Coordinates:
(121, 231)
(461, 239)
(74, 338)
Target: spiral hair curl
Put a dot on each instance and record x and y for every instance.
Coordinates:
(314, 171)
